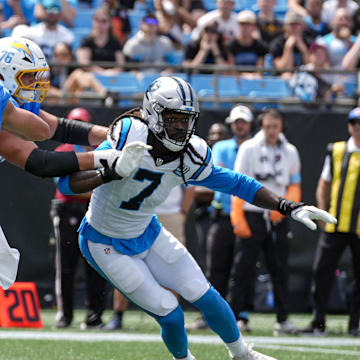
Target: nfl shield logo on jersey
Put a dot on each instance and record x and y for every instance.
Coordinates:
(159, 162)
(107, 251)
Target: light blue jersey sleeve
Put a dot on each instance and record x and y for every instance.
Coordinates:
(4, 98)
(32, 107)
(230, 182)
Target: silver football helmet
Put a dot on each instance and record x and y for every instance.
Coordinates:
(24, 71)
(171, 108)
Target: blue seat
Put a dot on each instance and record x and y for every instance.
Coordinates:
(203, 84)
(83, 18)
(350, 89)
(228, 86)
(125, 83)
(267, 87)
(135, 20)
(79, 34)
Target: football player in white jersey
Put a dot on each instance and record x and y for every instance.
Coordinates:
(24, 80)
(122, 238)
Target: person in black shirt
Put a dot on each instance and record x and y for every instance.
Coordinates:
(314, 26)
(209, 49)
(268, 25)
(246, 49)
(291, 49)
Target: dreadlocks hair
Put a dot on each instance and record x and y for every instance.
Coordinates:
(135, 113)
(190, 151)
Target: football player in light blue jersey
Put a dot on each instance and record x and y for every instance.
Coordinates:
(122, 238)
(24, 81)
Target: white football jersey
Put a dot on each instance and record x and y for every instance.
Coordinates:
(123, 209)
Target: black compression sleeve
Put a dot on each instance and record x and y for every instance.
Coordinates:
(51, 164)
(72, 131)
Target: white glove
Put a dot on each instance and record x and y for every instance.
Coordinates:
(130, 158)
(109, 156)
(306, 213)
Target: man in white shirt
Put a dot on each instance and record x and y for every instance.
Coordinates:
(49, 32)
(224, 16)
(271, 159)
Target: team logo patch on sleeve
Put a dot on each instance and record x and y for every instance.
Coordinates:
(186, 169)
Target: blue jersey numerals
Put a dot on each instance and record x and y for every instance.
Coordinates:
(141, 175)
(6, 56)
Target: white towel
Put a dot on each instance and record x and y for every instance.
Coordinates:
(9, 261)
(266, 168)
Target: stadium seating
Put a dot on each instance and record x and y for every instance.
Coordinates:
(267, 87)
(79, 34)
(135, 20)
(350, 89)
(83, 18)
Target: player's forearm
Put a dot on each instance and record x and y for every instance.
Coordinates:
(85, 181)
(97, 134)
(266, 199)
(78, 132)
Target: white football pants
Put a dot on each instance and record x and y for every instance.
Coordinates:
(141, 277)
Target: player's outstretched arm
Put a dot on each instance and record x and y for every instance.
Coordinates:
(24, 123)
(297, 210)
(118, 168)
(43, 163)
(73, 131)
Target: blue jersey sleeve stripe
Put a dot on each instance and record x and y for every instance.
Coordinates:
(64, 186)
(231, 182)
(296, 178)
(105, 145)
(125, 129)
(202, 167)
(5, 96)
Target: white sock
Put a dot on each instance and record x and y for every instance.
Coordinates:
(237, 348)
(189, 357)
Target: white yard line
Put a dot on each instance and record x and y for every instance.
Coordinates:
(277, 343)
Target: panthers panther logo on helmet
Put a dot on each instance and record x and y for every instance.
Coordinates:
(167, 102)
(24, 71)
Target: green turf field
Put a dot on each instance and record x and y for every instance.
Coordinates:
(139, 340)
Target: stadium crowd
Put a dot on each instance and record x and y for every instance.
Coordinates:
(307, 37)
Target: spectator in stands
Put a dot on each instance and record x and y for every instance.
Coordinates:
(62, 55)
(268, 25)
(101, 45)
(351, 59)
(330, 7)
(147, 45)
(247, 48)
(338, 43)
(315, 85)
(15, 13)
(298, 6)
(196, 8)
(224, 16)
(118, 10)
(209, 49)
(291, 49)
(319, 60)
(315, 26)
(49, 32)
(356, 23)
(67, 14)
(172, 17)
